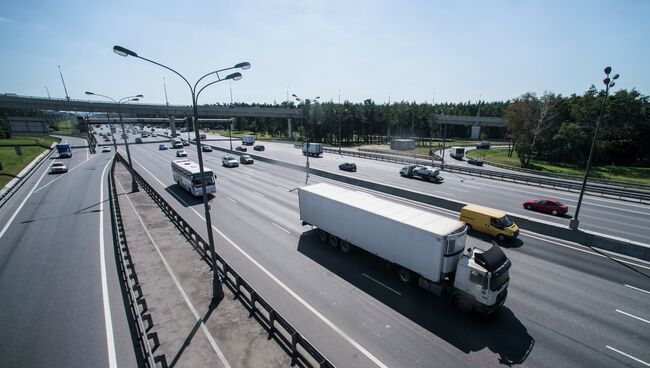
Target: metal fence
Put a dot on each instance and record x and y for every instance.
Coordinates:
(301, 351)
(129, 278)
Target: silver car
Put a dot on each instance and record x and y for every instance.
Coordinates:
(58, 167)
(229, 161)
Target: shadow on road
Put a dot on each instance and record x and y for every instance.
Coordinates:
(184, 197)
(502, 334)
(508, 243)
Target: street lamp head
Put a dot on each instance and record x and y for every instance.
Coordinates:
(317, 97)
(244, 65)
(123, 51)
(606, 81)
(89, 93)
(294, 95)
(234, 76)
(615, 76)
(608, 70)
(134, 99)
(139, 96)
(612, 85)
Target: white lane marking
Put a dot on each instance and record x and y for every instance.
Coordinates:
(280, 227)
(198, 318)
(636, 288)
(108, 319)
(232, 199)
(60, 176)
(529, 234)
(471, 187)
(258, 193)
(633, 316)
(382, 284)
(460, 190)
(628, 355)
(283, 188)
(282, 285)
(11, 219)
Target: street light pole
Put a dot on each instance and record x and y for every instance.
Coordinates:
(134, 184)
(217, 287)
(575, 222)
(306, 113)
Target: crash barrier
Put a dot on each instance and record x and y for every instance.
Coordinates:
(302, 352)
(4, 197)
(130, 284)
(587, 238)
(403, 154)
(626, 194)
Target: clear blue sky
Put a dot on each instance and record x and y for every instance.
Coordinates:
(457, 50)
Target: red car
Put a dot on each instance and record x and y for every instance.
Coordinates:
(547, 205)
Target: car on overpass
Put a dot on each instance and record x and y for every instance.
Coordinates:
(58, 167)
(547, 205)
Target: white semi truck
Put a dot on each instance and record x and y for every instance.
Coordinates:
(421, 245)
(248, 140)
(457, 152)
(312, 149)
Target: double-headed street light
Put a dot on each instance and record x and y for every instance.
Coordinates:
(608, 82)
(134, 184)
(304, 130)
(217, 289)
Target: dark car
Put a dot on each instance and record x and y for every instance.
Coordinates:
(348, 166)
(185, 143)
(206, 148)
(162, 147)
(246, 159)
(241, 148)
(259, 147)
(475, 161)
(547, 205)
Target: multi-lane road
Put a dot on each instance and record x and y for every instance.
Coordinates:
(567, 305)
(60, 299)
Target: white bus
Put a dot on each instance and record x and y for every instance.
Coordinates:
(188, 176)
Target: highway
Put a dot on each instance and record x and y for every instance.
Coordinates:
(61, 302)
(617, 218)
(567, 305)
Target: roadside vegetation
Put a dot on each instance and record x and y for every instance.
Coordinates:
(30, 147)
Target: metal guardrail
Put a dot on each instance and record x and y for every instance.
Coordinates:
(626, 194)
(129, 278)
(8, 194)
(302, 352)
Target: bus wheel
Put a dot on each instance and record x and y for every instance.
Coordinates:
(462, 303)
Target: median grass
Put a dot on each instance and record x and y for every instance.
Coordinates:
(12, 163)
(620, 173)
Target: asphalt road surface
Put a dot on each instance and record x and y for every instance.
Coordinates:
(60, 300)
(568, 305)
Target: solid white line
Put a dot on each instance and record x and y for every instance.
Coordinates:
(280, 227)
(460, 190)
(384, 285)
(633, 316)
(198, 318)
(4, 229)
(259, 193)
(285, 287)
(628, 355)
(529, 234)
(636, 288)
(232, 199)
(108, 320)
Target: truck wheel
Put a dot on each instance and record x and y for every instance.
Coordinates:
(322, 235)
(462, 303)
(345, 247)
(501, 237)
(405, 275)
(334, 241)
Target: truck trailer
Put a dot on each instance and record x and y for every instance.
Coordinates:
(64, 150)
(424, 172)
(457, 152)
(312, 149)
(422, 246)
(248, 140)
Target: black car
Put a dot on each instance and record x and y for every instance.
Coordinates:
(241, 148)
(258, 147)
(475, 161)
(185, 143)
(348, 166)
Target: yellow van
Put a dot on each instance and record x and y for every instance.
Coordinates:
(490, 221)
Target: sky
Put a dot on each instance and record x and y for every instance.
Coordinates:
(423, 51)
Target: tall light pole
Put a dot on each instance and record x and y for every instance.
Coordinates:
(217, 288)
(63, 81)
(306, 113)
(48, 93)
(573, 224)
(134, 184)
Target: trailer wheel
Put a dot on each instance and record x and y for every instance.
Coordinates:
(462, 303)
(334, 241)
(405, 275)
(345, 247)
(322, 235)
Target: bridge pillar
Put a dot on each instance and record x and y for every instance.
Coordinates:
(289, 128)
(476, 131)
(172, 126)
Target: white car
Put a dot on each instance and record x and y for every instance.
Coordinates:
(229, 161)
(106, 149)
(181, 153)
(58, 167)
